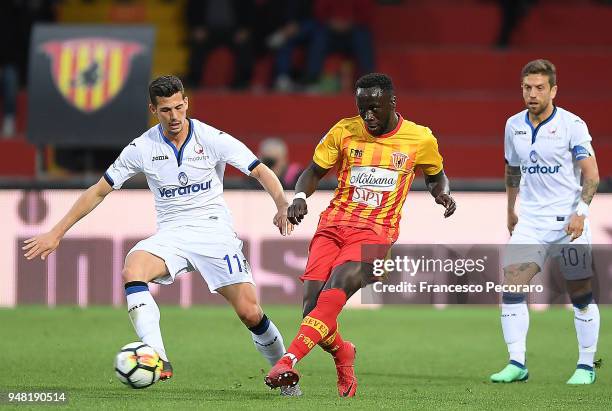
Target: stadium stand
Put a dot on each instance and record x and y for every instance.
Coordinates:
(447, 72)
(452, 79)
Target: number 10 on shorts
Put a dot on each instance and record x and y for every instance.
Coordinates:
(229, 262)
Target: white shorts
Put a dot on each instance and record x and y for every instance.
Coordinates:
(216, 254)
(530, 244)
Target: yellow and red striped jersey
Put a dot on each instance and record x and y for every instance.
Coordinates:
(374, 173)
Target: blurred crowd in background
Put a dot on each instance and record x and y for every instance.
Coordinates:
(273, 46)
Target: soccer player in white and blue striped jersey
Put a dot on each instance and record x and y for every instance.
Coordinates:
(548, 152)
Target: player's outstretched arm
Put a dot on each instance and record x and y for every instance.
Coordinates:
(590, 182)
(306, 184)
(513, 182)
(273, 186)
(439, 187)
(45, 244)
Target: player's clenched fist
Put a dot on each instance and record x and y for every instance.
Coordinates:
(448, 202)
(43, 244)
(297, 210)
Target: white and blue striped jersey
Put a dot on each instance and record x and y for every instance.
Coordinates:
(187, 184)
(548, 157)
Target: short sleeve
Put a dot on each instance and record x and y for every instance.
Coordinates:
(428, 157)
(510, 154)
(125, 166)
(579, 133)
(580, 139)
(235, 152)
(328, 150)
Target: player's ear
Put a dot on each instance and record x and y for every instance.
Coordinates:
(152, 108)
(393, 101)
(186, 100)
(553, 91)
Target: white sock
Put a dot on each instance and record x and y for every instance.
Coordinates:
(515, 323)
(144, 314)
(587, 331)
(268, 340)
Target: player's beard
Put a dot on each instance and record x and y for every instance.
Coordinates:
(538, 109)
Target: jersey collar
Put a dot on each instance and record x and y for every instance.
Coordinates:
(534, 131)
(177, 153)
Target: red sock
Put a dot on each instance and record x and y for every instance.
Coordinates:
(316, 325)
(332, 342)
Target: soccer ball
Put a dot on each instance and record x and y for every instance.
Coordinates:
(138, 365)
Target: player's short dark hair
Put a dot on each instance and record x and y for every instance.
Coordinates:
(541, 66)
(165, 86)
(375, 80)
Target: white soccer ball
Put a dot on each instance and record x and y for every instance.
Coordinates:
(138, 365)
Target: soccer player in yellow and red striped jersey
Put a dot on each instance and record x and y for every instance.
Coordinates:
(377, 154)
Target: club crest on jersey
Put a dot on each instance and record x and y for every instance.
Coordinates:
(183, 179)
(90, 72)
(533, 156)
(399, 159)
(198, 148)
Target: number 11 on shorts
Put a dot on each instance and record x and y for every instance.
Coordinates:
(229, 262)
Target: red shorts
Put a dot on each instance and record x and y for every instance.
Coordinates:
(335, 245)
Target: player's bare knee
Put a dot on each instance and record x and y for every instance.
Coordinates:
(347, 276)
(250, 315)
(130, 273)
(580, 291)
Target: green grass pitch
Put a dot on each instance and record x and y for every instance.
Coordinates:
(407, 358)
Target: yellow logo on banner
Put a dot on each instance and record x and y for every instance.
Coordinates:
(316, 324)
(90, 72)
